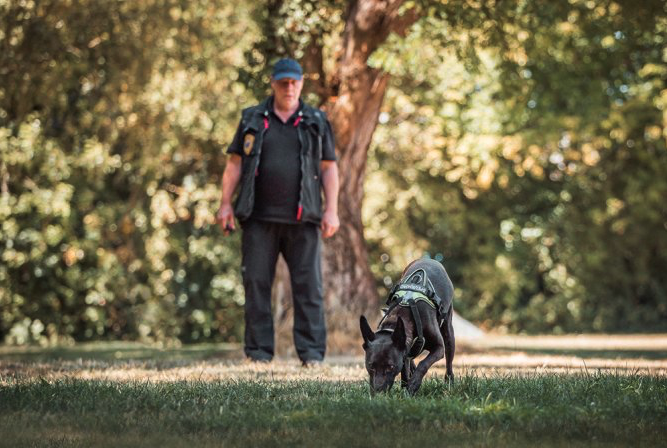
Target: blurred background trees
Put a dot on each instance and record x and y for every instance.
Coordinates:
(113, 116)
(521, 143)
(540, 174)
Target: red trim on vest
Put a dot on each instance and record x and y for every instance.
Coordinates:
(299, 212)
(296, 122)
(266, 123)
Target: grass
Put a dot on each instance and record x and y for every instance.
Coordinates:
(550, 409)
(115, 351)
(123, 394)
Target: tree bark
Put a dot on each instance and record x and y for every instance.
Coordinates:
(349, 286)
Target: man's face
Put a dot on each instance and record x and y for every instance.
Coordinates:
(287, 92)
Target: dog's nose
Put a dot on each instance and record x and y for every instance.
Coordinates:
(381, 385)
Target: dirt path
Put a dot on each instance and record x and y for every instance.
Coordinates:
(567, 353)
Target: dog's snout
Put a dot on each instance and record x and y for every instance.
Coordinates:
(380, 383)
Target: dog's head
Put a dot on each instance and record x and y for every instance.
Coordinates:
(385, 354)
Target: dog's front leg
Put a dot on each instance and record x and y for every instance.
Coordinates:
(405, 374)
(415, 382)
(407, 371)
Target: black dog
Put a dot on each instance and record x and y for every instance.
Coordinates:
(419, 318)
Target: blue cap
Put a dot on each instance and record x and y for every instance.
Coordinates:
(287, 68)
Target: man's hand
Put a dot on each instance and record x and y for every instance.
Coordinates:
(330, 223)
(225, 218)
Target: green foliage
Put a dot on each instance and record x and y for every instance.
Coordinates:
(113, 119)
(523, 143)
(605, 409)
(539, 176)
(293, 28)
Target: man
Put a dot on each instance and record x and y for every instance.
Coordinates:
(282, 157)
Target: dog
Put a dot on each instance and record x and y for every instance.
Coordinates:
(419, 318)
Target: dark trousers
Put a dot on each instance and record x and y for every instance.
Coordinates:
(300, 246)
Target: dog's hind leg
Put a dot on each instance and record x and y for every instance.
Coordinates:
(447, 330)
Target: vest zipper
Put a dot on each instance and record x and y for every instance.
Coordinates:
(299, 211)
(259, 153)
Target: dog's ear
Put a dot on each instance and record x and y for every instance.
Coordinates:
(398, 336)
(366, 331)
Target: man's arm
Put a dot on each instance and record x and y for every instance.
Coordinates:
(330, 221)
(230, 179)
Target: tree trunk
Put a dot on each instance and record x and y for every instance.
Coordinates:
(349, 286)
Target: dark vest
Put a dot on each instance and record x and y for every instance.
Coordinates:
(310, 129)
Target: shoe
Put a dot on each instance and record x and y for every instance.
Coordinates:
(310, 363)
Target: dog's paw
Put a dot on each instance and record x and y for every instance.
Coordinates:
(413, 385)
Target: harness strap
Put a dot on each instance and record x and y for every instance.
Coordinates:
(392, 291)
(418, 343)
(386, 313)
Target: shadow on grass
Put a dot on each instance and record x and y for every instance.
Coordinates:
(110, 351)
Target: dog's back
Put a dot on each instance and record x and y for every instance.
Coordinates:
(438, 277)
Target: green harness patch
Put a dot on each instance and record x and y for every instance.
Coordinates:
(406, 297)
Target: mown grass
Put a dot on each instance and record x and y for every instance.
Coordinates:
(118, 351)
(502, 410)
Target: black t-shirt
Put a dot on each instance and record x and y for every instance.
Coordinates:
(278, 179)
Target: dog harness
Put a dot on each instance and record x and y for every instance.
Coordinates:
(408, 293)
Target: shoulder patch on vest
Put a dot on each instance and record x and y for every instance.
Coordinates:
(248, 140)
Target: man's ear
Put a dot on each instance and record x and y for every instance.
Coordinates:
(398, 336)
(366, 331)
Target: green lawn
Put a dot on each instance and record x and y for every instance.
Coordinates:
(118, 351)
(549, 409)
(128, 394)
